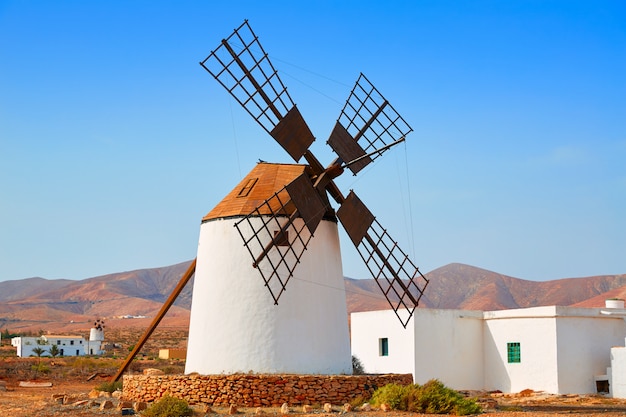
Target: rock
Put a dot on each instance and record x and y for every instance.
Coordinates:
(94, 393)
(106, 404)
(259, 411)
(347, 408)
(124, 404)
(306, 409)
(70, 398)
(80, 403)
(526, 392)
(58, 398)
(366, 407)
(140, 406)
(207, 409)
(232, 409)
(328, 408)
(116, 394)
(153, 371)
(385, 407)
(284, 409)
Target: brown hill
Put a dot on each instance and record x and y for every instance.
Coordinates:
(65, 305)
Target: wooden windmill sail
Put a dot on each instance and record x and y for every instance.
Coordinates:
(367, 126)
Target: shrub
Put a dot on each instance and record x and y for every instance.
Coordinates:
(168, 406)
(357, 366)
(110, 386)
(392, 394)
(40, 368)
(432, 398)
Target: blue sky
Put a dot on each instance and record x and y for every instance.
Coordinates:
(114, 142)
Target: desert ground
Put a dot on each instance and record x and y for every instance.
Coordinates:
(71, 380)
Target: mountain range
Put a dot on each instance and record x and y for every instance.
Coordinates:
(132, 298)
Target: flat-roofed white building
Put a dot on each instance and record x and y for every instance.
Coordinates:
(560, 350)
(66, 345)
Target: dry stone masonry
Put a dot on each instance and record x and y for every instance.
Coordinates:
(250, 390)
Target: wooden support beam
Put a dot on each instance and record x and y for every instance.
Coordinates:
(157, 319)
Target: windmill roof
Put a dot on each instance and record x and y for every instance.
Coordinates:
(260, 184)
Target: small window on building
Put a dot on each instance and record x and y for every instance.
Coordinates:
(383, 346)
(513, 351)
(58, 342)
(71, 342)
(77, 352)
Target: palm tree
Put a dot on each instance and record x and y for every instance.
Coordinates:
(39, 352)
(54, 351)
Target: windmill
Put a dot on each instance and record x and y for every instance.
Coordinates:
(286, 227)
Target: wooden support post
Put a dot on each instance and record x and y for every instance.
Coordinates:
(157, 319)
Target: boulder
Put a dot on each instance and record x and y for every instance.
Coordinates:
(284, 409)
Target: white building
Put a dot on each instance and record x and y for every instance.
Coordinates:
(554, 349)
(66, 345)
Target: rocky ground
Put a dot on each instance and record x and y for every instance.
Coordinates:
(72, 394)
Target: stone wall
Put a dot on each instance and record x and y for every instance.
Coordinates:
(257, 390)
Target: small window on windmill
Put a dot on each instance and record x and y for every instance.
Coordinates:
(247, 187)
(281, 239)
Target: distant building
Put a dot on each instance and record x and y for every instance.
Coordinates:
(559, 350)
(66, 345)
(172, 353)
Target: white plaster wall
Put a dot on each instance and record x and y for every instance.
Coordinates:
(437, 344)
(584, 347)
(235, 326)
(366, 328)
(617, 381)
(449, 347)
(535, 330)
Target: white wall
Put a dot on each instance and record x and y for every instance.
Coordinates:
(235, 326)
(562, 348)
(535, 330)
(367, 328)
(584, 347)
(449, 347)
(437, 344)
(617, 378)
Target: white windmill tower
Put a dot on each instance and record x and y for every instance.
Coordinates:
(278, 223)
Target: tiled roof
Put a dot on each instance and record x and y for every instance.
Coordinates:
(260, 184)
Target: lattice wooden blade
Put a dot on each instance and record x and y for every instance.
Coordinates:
(277, 241)
(367, 123)
(399, 279)
(242, 67)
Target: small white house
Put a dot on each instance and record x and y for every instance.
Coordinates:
(560, 350)
(66, 345)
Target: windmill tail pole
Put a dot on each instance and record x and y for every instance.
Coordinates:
(157, 319)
